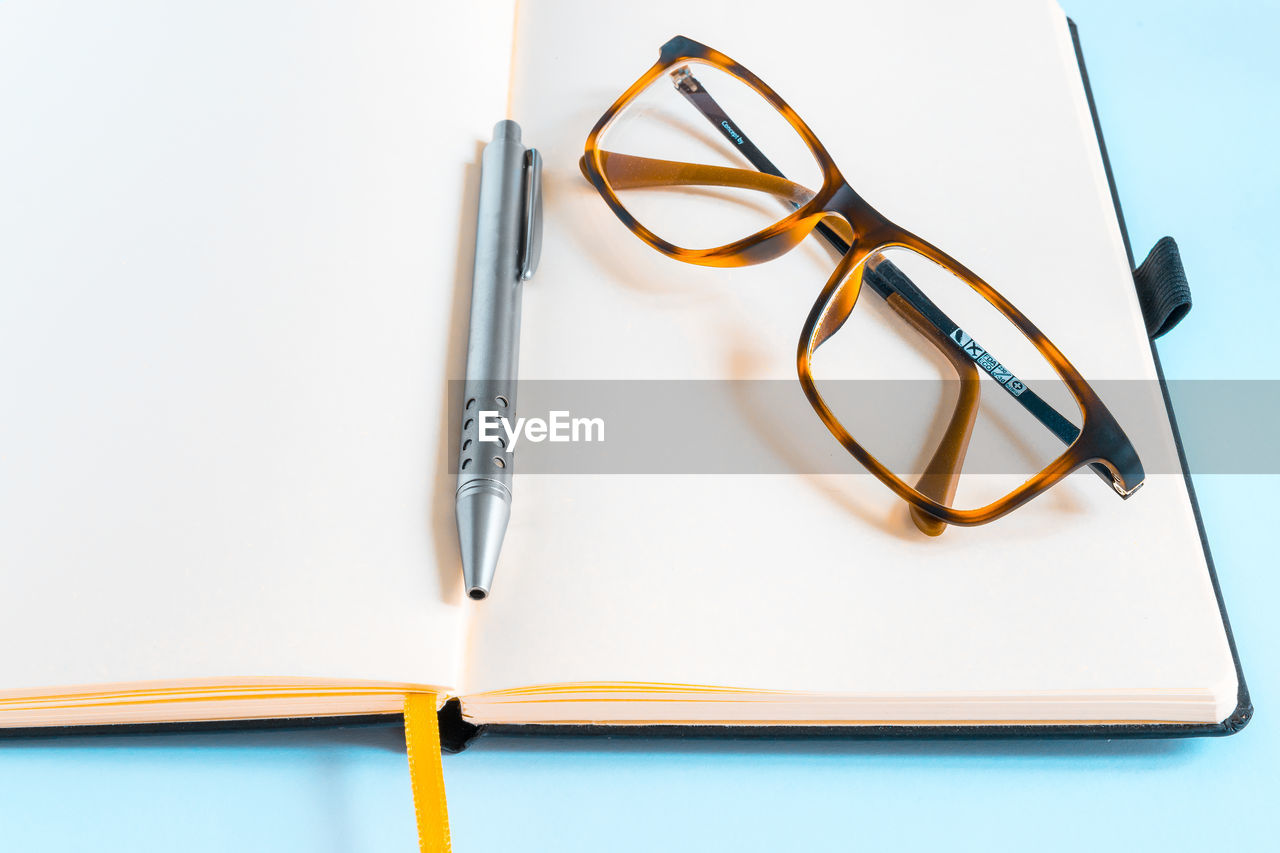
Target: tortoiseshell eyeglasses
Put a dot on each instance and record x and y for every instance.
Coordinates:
(706, 164)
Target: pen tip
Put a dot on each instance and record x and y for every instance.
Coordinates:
(482, 512)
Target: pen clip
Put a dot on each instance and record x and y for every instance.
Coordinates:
(531, 243)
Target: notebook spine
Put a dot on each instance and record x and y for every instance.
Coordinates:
(456, 733)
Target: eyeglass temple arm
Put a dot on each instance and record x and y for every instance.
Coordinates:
(627, 171)
(893, 281)
(942, 473)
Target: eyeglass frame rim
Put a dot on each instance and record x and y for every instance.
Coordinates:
(1100, 440)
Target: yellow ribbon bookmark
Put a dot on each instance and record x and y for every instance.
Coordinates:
(422, 737)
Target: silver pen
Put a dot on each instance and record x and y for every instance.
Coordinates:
(508, 243)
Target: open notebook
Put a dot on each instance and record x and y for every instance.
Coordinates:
(236, 271)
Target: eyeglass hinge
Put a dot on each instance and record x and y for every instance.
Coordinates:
(684, 80)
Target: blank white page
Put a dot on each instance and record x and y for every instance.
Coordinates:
(235, 255)
(968, 124)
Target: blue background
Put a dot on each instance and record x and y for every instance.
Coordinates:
(1187, 94)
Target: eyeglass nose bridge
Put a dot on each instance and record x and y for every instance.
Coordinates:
(853, 228)
(835, 212)
(866, 226)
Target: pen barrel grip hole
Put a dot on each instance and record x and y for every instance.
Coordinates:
(487, 410)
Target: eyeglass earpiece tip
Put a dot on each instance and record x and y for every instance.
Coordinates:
(927, 524)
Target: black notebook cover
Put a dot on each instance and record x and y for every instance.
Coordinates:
(456, 733)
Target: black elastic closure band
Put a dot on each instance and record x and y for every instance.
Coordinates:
(1163, 292)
